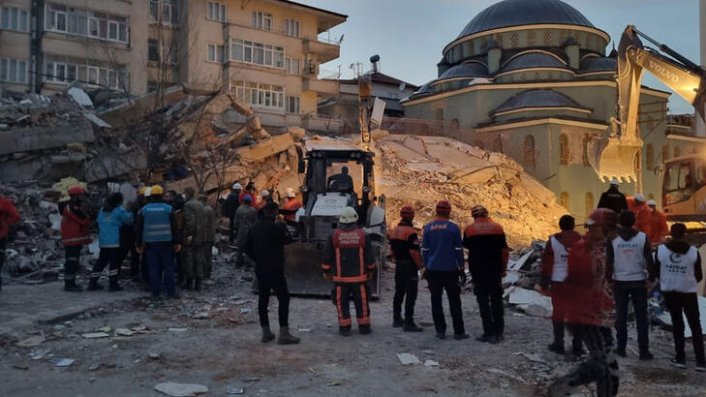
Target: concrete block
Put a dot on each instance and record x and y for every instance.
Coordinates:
(19, 140)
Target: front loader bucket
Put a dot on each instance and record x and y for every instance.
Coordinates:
(614, 158)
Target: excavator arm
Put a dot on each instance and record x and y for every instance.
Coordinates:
(614, 157)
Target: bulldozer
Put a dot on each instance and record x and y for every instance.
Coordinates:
(615, 156)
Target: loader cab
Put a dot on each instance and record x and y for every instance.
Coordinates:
(684, 189)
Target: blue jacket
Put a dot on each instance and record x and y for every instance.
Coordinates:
(441, 246)
(156, 225)
(109, 223)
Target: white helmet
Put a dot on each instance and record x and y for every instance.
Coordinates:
(614, 182)
(652, 203)
(640, 198)
(265, 193)
(291, 193)
(237, 186)
(348, 215)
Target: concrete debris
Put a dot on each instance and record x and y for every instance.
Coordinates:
(124, 332)
(178, 329)
(80, 97)
(531, 302)
(408, 359)
(95, 335)
(62, 362)
(535, 358)
(234, 390)
(32, 341)
(180, 389)
(431, 364)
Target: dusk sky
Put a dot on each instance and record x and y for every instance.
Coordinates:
(410, 34)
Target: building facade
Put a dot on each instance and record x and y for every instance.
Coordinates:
(267, 52)
(532, 80)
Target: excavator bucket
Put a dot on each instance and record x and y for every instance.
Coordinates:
(614, 158)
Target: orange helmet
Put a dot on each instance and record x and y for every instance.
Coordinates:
(443, 208)
(407, 212)
(76, 190)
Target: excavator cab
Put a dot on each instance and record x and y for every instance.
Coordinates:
(336, 175)
(684, 189)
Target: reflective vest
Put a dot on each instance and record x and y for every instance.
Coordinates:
(349, 248)
(676, 271)
(629, 260)
(157, 226)
(561, 256)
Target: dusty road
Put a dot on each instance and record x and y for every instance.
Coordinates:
(213, 339)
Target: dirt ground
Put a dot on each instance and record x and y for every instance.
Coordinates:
(212, 338)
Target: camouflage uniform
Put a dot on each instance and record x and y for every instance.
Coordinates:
(193, 253)
(210, 223)
(245, 218)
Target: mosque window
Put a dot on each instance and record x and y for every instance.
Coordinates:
(589, 203)
(548, 38)
(454, 125)
(564, 200)
(529, 152)
(650, 156)
(677, 151)
(531, 38)
(584, 155)
(498, 144)
(564, 154)
(665, 153)
(514, 40)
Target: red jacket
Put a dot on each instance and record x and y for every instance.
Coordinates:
(658, 227)
(348, 255)
(589, 298)
(643, 216)
(75, 227)
(567, 238)
(8, 216)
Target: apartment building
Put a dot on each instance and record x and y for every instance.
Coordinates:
(267, 52)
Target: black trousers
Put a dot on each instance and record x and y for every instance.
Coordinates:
(489, 295)
(406, 285)
(358, 293)
(687, 303)
(600, 367)
(73, 257)
(268, 280)
(110, 257)
(231, 229)
(625, 292)
(438, 283)
(3, 246)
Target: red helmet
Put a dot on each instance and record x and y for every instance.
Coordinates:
(76, 190)
(407, 212)
(443, 208)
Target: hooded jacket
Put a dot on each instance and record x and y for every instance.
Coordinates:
(553, 266)
(678, 266)
(75, 225)
(8, 216)
(587, 281)
(110, 220)
(629, 256)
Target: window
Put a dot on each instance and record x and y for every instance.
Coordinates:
(564, 154)
(154, 11)
(153, 50)
(216, 53)
(261, 20)
(528, 152)
(217, 11)
(170, 12)
(564, 201)
(67, 70)
(261, 95)
(87, 23)
(13, 70)
(665, 153)
(292, 104)
(677, 151)
(589, 203)
(650, 157)
(13, 18)
(292, 28)
(257, 53)
(291, 66)
(584, 154)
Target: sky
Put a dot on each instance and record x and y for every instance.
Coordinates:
(409, 35)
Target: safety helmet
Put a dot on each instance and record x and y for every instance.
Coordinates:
(443, 208)
(652, 203)
(76, 190)
(640, 198)
(348, 215)
(157, 190)
(614, 182)
(141, 191)
(237, 186)
(479, 211)
(291, 193)
(407, 212)
(265, 193)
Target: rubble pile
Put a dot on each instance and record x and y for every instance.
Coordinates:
(423, 170)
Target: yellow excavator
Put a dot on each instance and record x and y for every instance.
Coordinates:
(615, 156)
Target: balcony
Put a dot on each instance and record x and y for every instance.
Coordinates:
(325, 50)
(329, 87)
(322, 124)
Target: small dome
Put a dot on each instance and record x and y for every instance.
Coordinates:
(465, 70)
(532, 60)
(597, 64)
(541, 98)
(525, 12)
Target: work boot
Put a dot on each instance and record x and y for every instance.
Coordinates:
(197, 284)
(114, 286)
(70, 286)
(189, 284)
(93, 285)
(645, 355)
(410, 326)
(344, 331)
(364, 329)
(461, 336)
(397, 322)
(285, 338)
(556, 348)
(267, 335)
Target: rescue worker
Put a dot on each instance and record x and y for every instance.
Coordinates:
(265, 245)
(249, 191)
(291, 206)
(408, 262)
(111, 218)
(658, 224)
(75, 233)
(194, 240)
(265, 198)
(678, 265)
(138, 266)
(210, 224)
(342, 182)
(8, 217)
(488, 255)
(629, 259)
(590, 309)
(554, 271)
(613, 199)
(348, 261)
(245, 218)
(230, 206)
(442, 255)
(643, 215)
(158, 237)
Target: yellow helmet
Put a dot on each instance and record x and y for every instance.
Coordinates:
(141, 191)
(157, 190)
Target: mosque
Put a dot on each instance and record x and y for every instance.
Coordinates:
(531, 79)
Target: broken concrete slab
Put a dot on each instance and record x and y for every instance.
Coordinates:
(19, 140)
(80, 97)
(109, 164)
(408, 359)
(531, 302)
(180, 389)
(31, 341)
